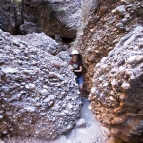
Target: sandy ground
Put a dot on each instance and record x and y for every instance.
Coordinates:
(91, 133)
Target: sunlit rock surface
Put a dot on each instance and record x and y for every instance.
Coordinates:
(38, 93)
(117, 92)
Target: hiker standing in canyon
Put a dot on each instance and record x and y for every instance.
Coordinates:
(76, 65)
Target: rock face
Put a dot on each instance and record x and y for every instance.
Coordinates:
(109, 21)
(53, 17)
(58, 17)
(41, 41)
(38, 94)
(29, 28)
(117, 93)
(5, 22)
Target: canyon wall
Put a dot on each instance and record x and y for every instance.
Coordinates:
(57, 17)
(53, 17)
(107, 23)
(110, 40)
(117, 94)
(114, 79)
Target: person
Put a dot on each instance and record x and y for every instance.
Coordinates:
(77, 67)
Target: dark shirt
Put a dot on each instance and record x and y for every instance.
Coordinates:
(76, 66)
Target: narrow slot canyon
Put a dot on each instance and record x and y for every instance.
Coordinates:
(40, 101)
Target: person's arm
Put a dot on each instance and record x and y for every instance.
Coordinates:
(71, 65)
(80, 69)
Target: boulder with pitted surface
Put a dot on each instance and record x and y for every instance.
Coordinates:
(117, 94)
(38, 94)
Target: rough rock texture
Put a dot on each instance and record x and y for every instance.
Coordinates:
(64, 55)
(38, 94)
(109, 21)
(117, 92)
(29, 28)
(41, 41)
(107, 24)
(57, 17)
(5, 21)
(53, 17)
(92, 133)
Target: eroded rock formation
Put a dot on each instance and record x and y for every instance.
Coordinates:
(57, 17)
(53, 17)
(38, 94)
(119, 106)
(117, 93)
(5, 21)
(109, 21)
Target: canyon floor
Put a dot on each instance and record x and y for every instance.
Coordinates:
(92, 133)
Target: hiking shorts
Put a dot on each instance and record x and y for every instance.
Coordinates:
(79, 80)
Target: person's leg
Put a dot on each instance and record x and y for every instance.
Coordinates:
(80, 83)
(80, 86)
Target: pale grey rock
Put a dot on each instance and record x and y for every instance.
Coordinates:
(124, 20)
(8, 69)
(64, 55)
(51, 97)
(44, 92)
(6, 89)
(30, 109)
(119, 25)
(46, 100)
(80, 123)
(1, 116)
(121, 9)
(33, 89)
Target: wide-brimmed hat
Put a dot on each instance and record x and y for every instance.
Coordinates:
(74, 52)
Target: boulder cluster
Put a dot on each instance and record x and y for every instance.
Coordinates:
(38, 93)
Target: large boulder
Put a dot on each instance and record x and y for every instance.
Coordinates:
(38, 94)
(42, 41)
(117, 92)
